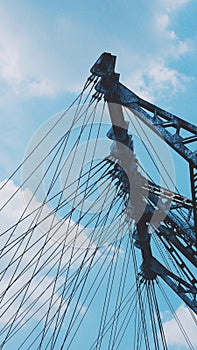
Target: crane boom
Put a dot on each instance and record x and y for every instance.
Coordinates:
(178, 236)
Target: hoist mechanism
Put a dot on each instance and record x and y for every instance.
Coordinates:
(178, 235)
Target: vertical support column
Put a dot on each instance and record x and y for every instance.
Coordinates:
(116, 115)
(193, 178)
(127, 160)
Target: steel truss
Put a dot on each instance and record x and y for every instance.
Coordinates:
(179, 236)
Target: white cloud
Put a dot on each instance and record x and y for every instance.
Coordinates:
(170, 46)
(32, 59)
(22, 204)
(41, 285)
(151, 62)
(48, 59)
(40, 88)
(173, 333)
(156, 79)
(164, 78)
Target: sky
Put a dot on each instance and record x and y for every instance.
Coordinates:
(48, 47)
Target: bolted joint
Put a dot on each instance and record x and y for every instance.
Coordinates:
(147, 273)
(107, 86)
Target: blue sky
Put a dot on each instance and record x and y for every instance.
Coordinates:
(48, 47)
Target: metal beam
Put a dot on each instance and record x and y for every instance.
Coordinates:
(177, 133)
(186, 291)
(156, 120)
(155, 117)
